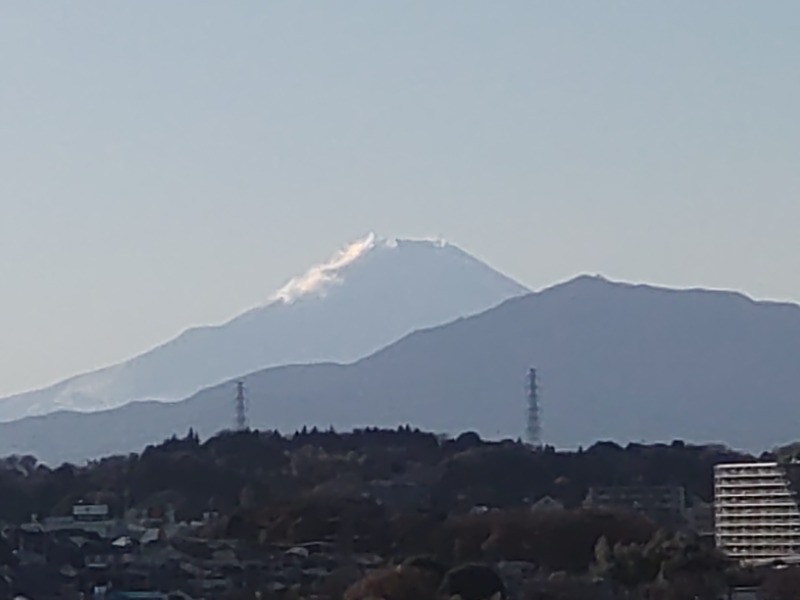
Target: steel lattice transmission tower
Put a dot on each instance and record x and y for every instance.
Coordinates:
(533, 429)
(241, 407)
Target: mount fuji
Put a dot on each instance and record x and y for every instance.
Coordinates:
(368, 295)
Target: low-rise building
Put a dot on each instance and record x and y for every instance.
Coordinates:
(665, 504)
(86, 518)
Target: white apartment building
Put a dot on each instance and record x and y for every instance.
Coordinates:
(756, 513)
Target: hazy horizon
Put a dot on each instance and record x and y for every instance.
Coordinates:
(164, 166)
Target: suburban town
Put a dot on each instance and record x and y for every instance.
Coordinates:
(401, 515)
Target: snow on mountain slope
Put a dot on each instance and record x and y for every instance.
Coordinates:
(368, 295)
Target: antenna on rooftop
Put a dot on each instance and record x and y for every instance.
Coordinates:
(533, 429)
(241, 407)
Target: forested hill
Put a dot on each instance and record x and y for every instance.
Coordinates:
(271, 469)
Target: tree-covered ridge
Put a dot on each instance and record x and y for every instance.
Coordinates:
(255, 468)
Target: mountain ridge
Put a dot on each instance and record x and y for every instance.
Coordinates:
(622, 362)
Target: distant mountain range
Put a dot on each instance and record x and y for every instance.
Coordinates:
(370, 294)
(616, 361)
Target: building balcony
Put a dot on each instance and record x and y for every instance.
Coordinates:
(733, 503)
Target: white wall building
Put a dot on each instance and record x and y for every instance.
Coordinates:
(756, 511)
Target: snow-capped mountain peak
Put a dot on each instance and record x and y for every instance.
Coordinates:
(320, 278)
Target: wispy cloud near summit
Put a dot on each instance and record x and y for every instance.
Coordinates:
(320, 277)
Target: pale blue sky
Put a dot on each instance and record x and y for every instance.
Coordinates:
(164, 164)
